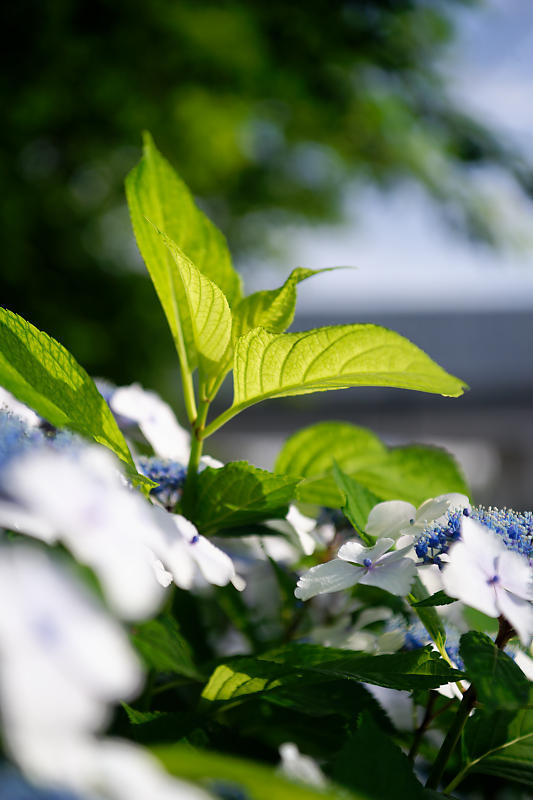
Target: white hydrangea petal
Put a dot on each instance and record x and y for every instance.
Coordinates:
(525, 663)
(9, 402)
(331, 577)
(209, 461)
(518, 612)
(215, 565)
(516, 574)
(464, 579)
(356, 552)
(437, 507)
(299, 767)
(156, 420)
(484, 546)
(389, 518)
(395, 577)
(15, 518)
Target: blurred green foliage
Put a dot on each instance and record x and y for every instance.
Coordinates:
(266, 108)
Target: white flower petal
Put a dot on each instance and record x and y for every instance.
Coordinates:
(299, 767)
(356, 552)
(484, 546)
(156, 420)
(15, 518)
(518, 612)
(330, 577)
(437, 507)
(395, 577)
(389, 518)
(516, 574)
(463, 578)
(525, 663)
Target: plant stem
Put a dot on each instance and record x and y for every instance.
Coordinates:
(452, 737)
(424, 725)
(188, 393)
(221, 420)
(197, 443)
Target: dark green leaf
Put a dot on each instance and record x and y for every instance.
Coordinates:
(371, 763)
(427, 615)
(499, 682)
(164, 648)
(238, 494)
(358, 502)
(438, 599)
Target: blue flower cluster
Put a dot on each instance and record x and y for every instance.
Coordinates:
(514, 527)
(170, 475)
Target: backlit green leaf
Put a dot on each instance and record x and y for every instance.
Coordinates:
(413, 473)
(156, 193)
(210, 317)
(43, 374)
(260, 782)
(278, 365)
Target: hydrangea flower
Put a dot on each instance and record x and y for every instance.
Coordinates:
(63, 659)
(482, 572)
(515, 529)
(169, 475)
(136, 549)
(370, 566)
(63, 663)
(299, 767)
(155, 419)
(395, 518)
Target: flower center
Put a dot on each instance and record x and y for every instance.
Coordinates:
(493, 580)
(367, 562)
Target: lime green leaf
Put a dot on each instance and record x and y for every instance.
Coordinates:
(43, 374)
(260, 782)
(272, 309)
(371, 763)
(278, 365)
(156, 193)
(358, 503)
(210, 317)
(164, 648)
(309, 454)
(413, 473)
(240, 494)
(499, 682)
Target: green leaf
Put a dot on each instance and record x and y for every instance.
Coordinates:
(438, 599)
(43, 374)
(260, 782)
(155, 192)
(164, 648)
(500, 743)
(429, 618)
(310, 453)
(272, 310)
(338, 357)
(239, 494)
(359, 503)
(309, 664)
(371, 763)
(499, 682)
(210, 316)
(413, 473)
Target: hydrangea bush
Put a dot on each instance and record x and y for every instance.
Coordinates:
(347, 626)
